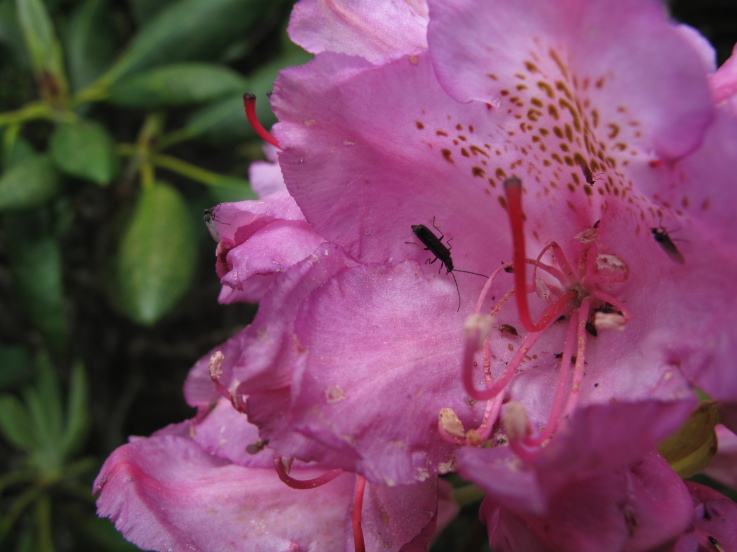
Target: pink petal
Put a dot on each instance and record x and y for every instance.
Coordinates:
(165, 493)
(177, 490)
(623, 58)
(632, 509)
(714, 519)
(682, 315)
(375, 30)
(260, 357)
(597, 438)
(370, 151)
(256, 263)
(266, 351)
(259, 240)
(357, 368)
(266, 178)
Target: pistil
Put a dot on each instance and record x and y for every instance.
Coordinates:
(249, 103)
(513, 191)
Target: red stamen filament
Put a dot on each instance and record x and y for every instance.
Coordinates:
(221, 389)
(358, 541)
(249, 103)
(583, 315)
(306, 483)
(561, 391)
(513, 190)
(509, 370)
(558, 252)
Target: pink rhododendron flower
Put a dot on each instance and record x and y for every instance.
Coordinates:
(610, 161)
(572, 152)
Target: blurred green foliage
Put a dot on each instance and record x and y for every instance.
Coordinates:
(119, 122)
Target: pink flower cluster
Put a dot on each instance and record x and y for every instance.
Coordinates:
(581, 155)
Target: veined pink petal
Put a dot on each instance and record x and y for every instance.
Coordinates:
(398, 152)
(376, 30)
(633, 509)
(258, 241)
(598, 438)
(193, 486)
(366, 393)
(614, 65)
(166, 493)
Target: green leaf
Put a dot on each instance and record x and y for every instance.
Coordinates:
(43, 46)
(84, 149)
(45, 453)
(14, 423)
(187, 30)
(176, 85)
(35, 263)
(90, 42)
(156, 256)
(77, 419)
(29, 183)
(48, 391)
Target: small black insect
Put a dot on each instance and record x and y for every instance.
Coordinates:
(591, 329)
(587, 175)
(666, 244)
(435, 245)
(607, 308)
(507, 329)
(257, 447)
(210, 218)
